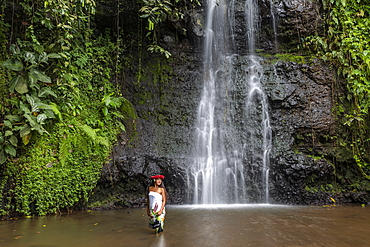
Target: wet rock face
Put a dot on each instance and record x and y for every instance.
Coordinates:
(301, 102)
(281, 24)
(304, 92)
(297, 19)
(159, 143)
(286, 22)
(167, 98)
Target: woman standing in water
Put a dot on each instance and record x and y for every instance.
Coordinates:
(156, 202)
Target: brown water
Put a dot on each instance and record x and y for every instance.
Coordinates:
(247, 225)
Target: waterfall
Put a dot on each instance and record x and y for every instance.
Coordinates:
(233, 132)
(274, 22)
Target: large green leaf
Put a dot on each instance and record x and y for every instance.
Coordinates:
(13, 140)
(49, 113)
(13, 64)
(56, 111)
(39, 76)
(10, 150)
(24, 108)
(41, 118)
(13, 118)
(39, 129)
(41, 105)
(45, 91)
(31, 119)
(25, 131)
(26, 139)
(2, 157)
(18, 84)
(8, 133)
(7, 123)
(54, 55)
(32, 79)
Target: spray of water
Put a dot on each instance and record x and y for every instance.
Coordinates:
(233, 133)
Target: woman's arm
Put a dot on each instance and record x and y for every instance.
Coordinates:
(164, 200)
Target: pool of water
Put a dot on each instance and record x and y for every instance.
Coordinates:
(218, 225)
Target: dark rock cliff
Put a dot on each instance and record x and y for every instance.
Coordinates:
(301, 98)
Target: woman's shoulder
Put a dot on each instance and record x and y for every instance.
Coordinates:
(158, 190)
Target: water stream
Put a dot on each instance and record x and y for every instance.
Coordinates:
(233, 132)
(203, 226)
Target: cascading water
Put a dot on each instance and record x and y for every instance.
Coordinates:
(233, 133)
(274, 22)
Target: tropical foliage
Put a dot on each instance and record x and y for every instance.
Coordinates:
(346, 45)
(158, 12)
(60, 91)
(60, 111)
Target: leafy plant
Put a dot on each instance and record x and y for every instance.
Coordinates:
(346, 45)
(158, 12)
(29, 88)
(60, 101)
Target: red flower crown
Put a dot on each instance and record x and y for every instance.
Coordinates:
(157, 176)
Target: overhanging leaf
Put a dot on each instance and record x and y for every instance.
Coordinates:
(13, 64)
(18, 84)
(2, 157)
(23, 107)
(26, 130)
(26, 139)
(13, 118)
(13, 140)
(30, 119)
(56, 111)
(7, 123)
(8, 133)
(40, 76)
(39, 129)
(45, 91)
(32, 79)
(54, 55)
(41, 105)
(10, 150)
(41, 118)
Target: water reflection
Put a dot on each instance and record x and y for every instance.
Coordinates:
(160, 241)
(200, 225)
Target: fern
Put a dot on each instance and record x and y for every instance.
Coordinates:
(103, 141)
(56, 111)
(90, 132)
(96, 139)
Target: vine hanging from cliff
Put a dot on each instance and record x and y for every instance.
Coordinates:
(346, 45)
(157, 12)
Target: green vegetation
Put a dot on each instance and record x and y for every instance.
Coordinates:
(60, 92)
(346, 46)
(158, 12)
(60, 111)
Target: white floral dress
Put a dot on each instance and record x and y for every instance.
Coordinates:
(155, 204)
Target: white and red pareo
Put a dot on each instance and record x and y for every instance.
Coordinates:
(155, 205)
